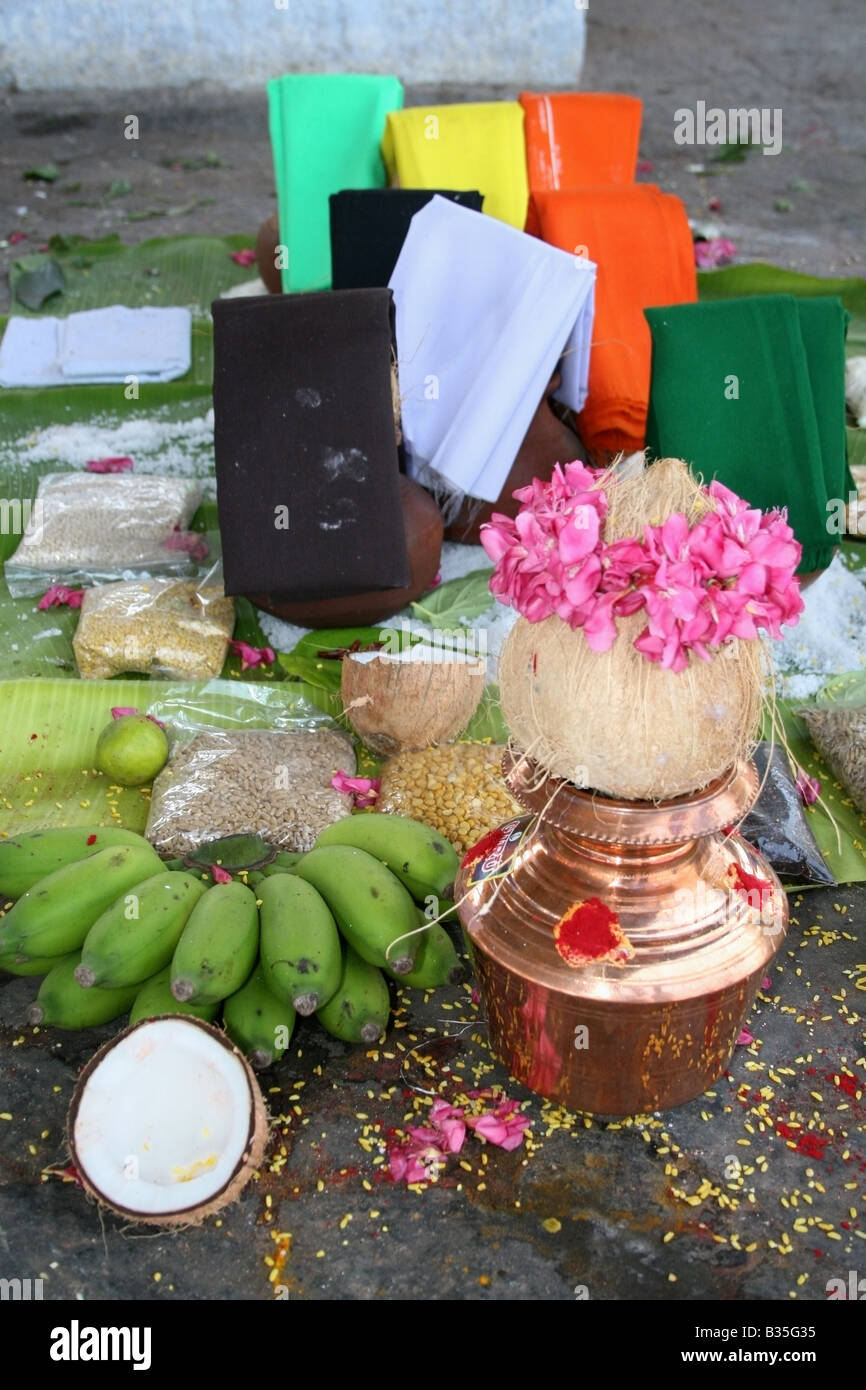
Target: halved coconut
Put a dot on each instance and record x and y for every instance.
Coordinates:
(167, 1122)
(411, 699)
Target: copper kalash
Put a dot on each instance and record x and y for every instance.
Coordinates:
(658, 1030)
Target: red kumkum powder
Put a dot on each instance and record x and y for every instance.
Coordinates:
(588, 932)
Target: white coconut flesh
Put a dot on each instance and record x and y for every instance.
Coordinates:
(165, 1117)
(417, 653)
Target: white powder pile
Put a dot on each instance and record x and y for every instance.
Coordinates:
(830, 636)
(156, 444)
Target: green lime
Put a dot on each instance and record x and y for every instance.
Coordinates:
(131, 750)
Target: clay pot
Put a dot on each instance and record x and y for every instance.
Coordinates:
(423, 522)
(266, 247)
(548, 441)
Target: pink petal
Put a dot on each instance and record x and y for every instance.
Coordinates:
(745, 1038)
(253, 656)
(644, 166)
(118, 711)
(808, 787)
(191, 541)
(245, 257)
(766, 982)
(364, 789)
(219, 875)
(15, 237)
(60, 596)
(118, 464)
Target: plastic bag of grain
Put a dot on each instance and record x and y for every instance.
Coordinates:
(458, 789)
(839, 734)
(93, 527)
(172, 628)
(246, 759)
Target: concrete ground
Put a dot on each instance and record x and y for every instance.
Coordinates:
(756, 1190)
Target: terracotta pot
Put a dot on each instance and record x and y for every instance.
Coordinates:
(658, 1030)
(266, 248)
(547, 441)
(423, 522)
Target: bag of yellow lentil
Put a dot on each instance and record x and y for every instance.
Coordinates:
(457, 789)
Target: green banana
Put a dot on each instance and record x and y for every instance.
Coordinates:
(284, 863)
(218, 946)
(423, 860)
(23, 965)
(358, 1012)
(437, 962)
(138, 934)
(371, 906)
(62, 1003)
(55, 915)
(301, 956)
(258, 1022)
(155, 998)
(27, 858)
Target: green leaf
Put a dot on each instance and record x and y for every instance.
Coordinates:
(463, 598)
(732, 153)
(72, 187)
(333, 639)
(37, 283)
(46, 172)
(118, 188)
(322, 674)
(487, 721)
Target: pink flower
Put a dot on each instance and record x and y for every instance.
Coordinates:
(644, 166)
(245, 257)
(119, 464)
(118, 711)
(365, 790)
(714, 252)
(427, 1148)
(808, 787)
(192, 542)
(503, 1126)
(437, 581)
(15, 237)
(59, 596)
(253, 656)
(766, 982)
(219, 875)
(745, 1038)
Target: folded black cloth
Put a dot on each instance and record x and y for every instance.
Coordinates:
(369, 226)
(306, 459)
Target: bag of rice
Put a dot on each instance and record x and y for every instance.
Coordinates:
(839, 734)
(103, 526)
(266, 782)
(172, 628)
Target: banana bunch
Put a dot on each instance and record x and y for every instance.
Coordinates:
(113, 928)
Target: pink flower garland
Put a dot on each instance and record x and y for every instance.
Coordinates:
(729, 575)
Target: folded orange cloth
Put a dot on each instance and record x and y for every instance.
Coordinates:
(574, 139)
(641, 242)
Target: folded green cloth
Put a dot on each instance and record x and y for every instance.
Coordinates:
(326, 131)
(752, 392)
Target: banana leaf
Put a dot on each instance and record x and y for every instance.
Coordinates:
(48, 733)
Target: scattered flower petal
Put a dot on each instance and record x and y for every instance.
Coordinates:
(808, 787)
(253, 656)
(118, 711)
(60, 596)
(245, 257)
(745, 1038)
(644, 166)
(192, 542)
(219, 875)
(118, 464)
(365, 790)
(15, 237)
(718, 250)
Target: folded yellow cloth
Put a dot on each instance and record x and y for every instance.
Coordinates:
(473, 145)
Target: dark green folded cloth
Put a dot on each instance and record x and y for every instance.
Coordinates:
(752, 392)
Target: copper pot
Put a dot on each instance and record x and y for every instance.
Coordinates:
(657, 1031)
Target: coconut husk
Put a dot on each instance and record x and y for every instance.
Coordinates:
(397, 705)
(615, 721)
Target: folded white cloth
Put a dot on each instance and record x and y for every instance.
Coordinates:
(97, 345)
(483, 315)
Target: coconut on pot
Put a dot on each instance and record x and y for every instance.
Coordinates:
(167, 1122)
(411, 699)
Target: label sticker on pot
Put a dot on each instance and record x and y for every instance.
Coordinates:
(491, 857)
